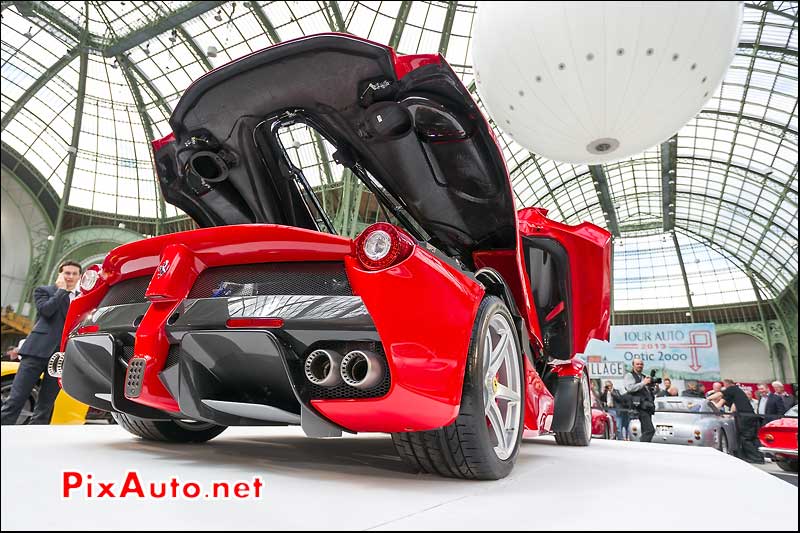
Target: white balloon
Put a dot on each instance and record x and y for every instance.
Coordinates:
(592, 82)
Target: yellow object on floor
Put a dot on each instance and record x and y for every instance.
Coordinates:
(66, 410)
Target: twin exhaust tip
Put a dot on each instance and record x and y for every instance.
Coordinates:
(55, 365)
(360, 369)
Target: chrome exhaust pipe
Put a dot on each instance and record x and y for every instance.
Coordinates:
(362, 369)
(321, 368)
(55, 365)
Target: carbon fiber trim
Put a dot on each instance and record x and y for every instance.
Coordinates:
(173, 356)
(321, 278)
(129, 291)
(298, 307)
(127, 352)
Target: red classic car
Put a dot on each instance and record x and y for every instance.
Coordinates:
(453, 325)
(779, 440)
(604, 426)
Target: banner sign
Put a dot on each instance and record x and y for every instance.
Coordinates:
(679, 351)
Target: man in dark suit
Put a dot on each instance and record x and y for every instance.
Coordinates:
(52, 302)
(786, 399)
(769, 404)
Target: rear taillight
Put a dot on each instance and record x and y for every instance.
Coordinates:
(90, 278)
(84, 330)
(769, 437)
(382, 245)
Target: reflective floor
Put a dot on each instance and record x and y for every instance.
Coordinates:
(359, 483)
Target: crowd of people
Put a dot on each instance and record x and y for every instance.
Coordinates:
(637, 400)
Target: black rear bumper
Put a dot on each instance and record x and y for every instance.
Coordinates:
(217, 374)
(230, 378)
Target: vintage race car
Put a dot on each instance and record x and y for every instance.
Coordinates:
(453, 325)
(604, 426)
(690, 422)
(779, 440)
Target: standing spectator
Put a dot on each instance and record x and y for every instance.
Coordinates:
(52, 302)
(788, 399)
(611, 399)
(746, 420)
(701, 390)
(665, 385)
(640, 389)
(749, 393)
(672, 391)
(770, 405)
(691, 390)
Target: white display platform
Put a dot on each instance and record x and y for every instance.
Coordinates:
(359, 483)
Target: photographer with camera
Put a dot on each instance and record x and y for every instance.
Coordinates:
(641, 391)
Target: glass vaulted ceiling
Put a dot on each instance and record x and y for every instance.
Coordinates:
(729, 214)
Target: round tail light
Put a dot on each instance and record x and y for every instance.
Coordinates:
(89, 278)
(382, 245)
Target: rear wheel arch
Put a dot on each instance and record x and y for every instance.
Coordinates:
(495, 285)
(574, 428)
(466, 447)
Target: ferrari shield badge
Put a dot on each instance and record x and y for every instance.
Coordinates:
(162, 269)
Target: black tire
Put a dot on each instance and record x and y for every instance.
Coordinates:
(27, 410)
(789, 465)
(168, 430)
(581, 433)
(465, 449)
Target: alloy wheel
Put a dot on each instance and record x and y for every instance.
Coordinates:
(502, 385)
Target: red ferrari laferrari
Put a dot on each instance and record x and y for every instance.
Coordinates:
(453, 325)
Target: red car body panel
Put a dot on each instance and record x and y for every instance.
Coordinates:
(781, 435)
(539, 402)
(585, 244)
(427, 356)
(601, 420)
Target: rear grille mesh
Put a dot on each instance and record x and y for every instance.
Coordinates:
(343, 390)
(127, 352)
(326, 279)
(173, 356)
(302, 279)
(130, 291)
